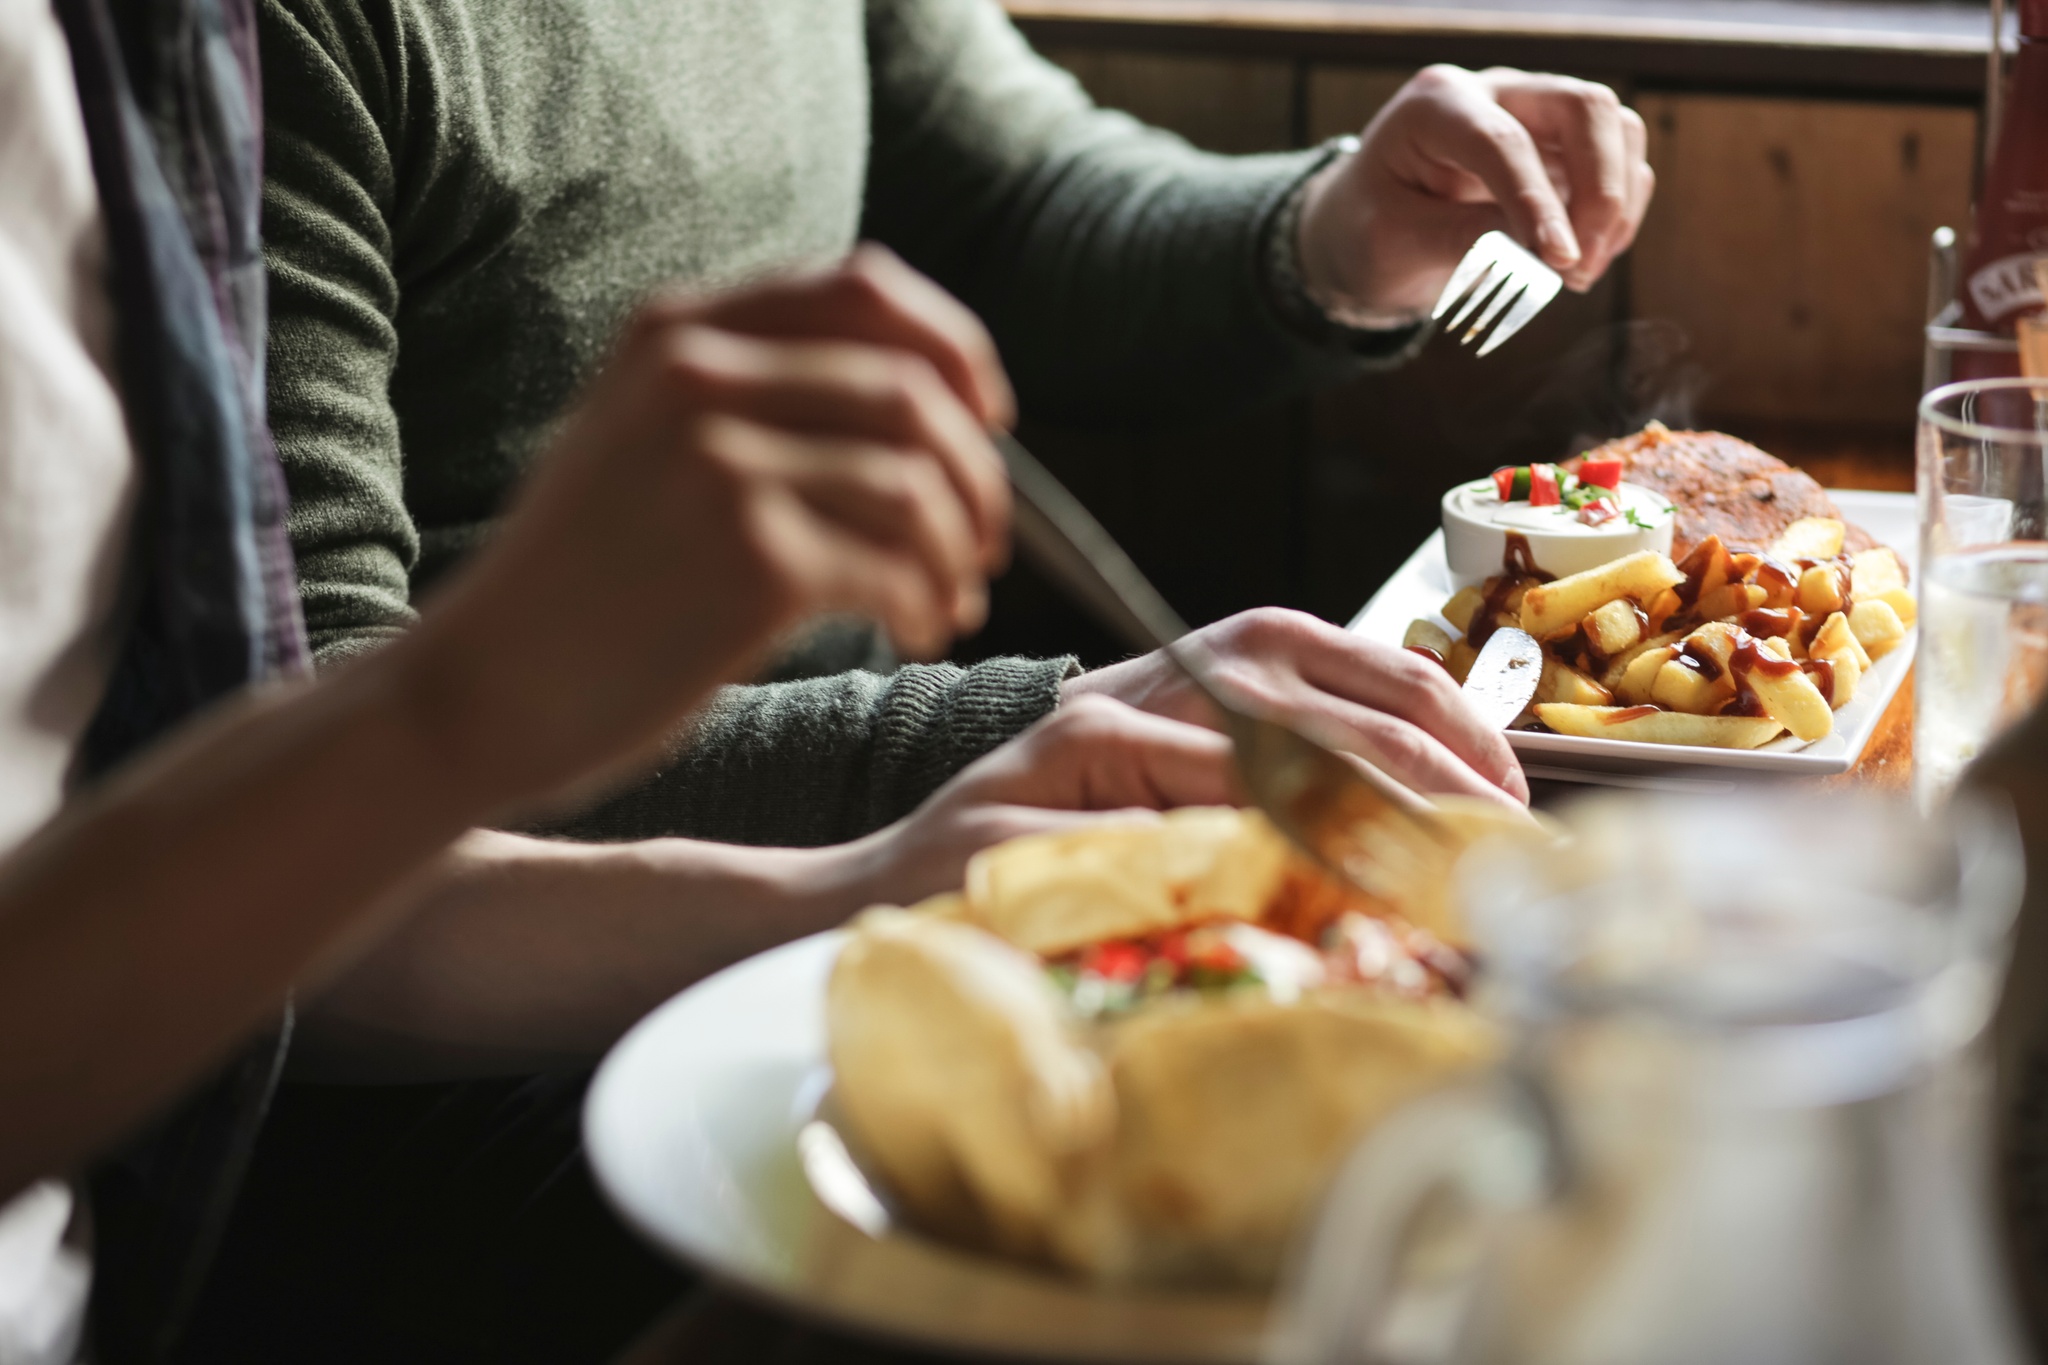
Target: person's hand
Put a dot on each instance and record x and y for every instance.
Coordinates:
(1557, 163)
(1092, 760)
(743, 461)
(1398, 709)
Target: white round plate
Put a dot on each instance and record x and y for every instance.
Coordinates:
(703, 1128)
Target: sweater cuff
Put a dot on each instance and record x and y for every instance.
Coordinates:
(936, 719)
(1288, 292)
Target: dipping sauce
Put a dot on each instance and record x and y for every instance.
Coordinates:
(1561, 539)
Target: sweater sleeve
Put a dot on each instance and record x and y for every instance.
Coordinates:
(328, 197)
(1122, 271)
(823, 760)
(805, 761)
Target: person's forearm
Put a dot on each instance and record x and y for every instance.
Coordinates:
(521, 954)
(167, 914)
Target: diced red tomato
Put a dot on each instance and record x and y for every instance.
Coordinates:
(1600, 473)
(1599, 512)
(1504, 482)
(1173, 948)
(1543, 490)
(1217, 956)
(1115, 961)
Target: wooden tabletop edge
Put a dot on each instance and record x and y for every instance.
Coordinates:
(1339, 16)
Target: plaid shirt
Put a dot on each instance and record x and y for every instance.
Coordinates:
(173, 116)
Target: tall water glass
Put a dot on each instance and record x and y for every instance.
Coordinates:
(1983, 659)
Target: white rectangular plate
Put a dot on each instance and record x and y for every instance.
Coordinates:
(1422, 585)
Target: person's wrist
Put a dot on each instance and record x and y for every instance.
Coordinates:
(1336, 258)
(809, 890)
(440, 694)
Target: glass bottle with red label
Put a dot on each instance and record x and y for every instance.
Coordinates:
(1999, 283)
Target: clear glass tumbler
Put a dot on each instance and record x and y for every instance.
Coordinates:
(1983, 658)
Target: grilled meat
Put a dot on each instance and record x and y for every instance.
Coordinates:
(1722, 486)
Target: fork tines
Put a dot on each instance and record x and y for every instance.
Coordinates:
(1500, 283)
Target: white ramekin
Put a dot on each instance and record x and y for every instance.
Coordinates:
(1476, 549)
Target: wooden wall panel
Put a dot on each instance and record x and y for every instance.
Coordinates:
(1343, 99)
(1221, 103)
(1789, 239)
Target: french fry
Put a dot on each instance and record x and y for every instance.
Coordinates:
(1782, 622)
(1835, 637)
(1460, 659)
(1662, 608)
(1877, 627)
(1614, 627)
(1875, 572)
(1551, 608)
(1820, 590)
(1620, 663)
(1901, 601)
(1427, 635)
(1809, 538)
(1790, 697)
(1730, 599)
(1562, 682)
(1848, 670)
(1659, 727)
(1683, 688)
(1708, 562)
(1638, 681)
(1780, 582)
(1463, 606)
(1716, 640)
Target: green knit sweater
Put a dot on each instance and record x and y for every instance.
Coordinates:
(465, 197)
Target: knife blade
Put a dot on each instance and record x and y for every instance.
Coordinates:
(1504, 676)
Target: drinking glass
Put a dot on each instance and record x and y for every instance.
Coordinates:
(1983, 658)
(1741, 1118)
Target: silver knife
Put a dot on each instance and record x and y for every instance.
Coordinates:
(1504, 676)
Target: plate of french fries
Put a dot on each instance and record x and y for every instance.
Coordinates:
(1780, 658)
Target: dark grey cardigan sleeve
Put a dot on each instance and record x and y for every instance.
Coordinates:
(823, 760)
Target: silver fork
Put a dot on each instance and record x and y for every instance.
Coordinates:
(1322, 800)
(1497, 281)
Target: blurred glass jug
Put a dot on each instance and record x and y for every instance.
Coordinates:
(1741, 1119)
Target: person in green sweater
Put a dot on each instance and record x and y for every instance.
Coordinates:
(463, 201)
(465, 198)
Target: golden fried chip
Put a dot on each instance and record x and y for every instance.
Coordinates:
(1051, 893)
(1230, 1120)
(1875, 572)
(959, 1074)
(1463, 606)
(1552, 608)
(1835, 637)
(1809, 538)
(1638, 682)
(1788, 694)
(1877, 627)
(1820, 590)
(1659, 727)
(1427, 635)
(1562, 682)
(1613, 628)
